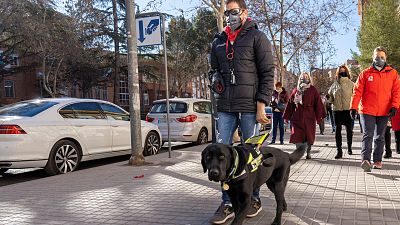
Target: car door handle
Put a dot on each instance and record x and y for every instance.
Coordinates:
(114, 125)
(78, 125)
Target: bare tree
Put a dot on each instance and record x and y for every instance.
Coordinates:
(292, 25)
(218, 7)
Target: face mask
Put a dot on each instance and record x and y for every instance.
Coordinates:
(304, 80)
(379, 62)
(343, 74)
(234, 21)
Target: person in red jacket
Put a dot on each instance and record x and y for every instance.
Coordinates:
(304, 110)
(376, 96)
(396, 129)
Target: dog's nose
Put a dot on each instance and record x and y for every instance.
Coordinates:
(214, 173)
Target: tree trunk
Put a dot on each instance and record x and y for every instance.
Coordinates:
(116, 53)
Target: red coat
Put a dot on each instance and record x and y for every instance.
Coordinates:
(303, 118)
(376, 92)
(396, 121)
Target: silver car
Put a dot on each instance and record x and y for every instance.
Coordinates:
(190, 119)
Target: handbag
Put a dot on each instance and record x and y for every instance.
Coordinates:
(281, 106)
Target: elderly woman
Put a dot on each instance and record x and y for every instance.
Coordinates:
(304, 110)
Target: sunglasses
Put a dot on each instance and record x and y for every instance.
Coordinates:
(233, 12)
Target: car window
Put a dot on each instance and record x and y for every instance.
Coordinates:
(113, 112)
(202, 107)
(82, 110)
(174, 107)
(29, 109)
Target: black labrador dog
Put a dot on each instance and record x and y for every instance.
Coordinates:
(230, 166)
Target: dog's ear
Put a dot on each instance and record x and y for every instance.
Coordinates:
(203, 159)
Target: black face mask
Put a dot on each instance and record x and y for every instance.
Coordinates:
(343, 74)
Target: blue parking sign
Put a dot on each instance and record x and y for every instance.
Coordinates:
(148, 30)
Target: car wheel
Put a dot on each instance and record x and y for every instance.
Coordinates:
(64, 157)
(152, 144)
(3, 170)
(203, 137)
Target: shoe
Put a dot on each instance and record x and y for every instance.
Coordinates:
(308, 156)
(223, 213)
(366, 165)
(349, 151)
(281, 143)
(339, 154)
(377, 165)
(255, 208)
(271, 143)
(387, 155)
(398, 148)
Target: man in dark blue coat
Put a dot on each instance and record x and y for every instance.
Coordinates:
(242, 76)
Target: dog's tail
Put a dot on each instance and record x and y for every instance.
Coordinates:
(297, 154)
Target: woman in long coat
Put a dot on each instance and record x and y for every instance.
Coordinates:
(304, 110)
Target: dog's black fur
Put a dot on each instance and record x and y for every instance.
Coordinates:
(218, 159)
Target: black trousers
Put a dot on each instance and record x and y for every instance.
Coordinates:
(343, 118)
(388, 136)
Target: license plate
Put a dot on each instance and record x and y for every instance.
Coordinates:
(164, 120)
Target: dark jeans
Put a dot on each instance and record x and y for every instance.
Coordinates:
(388, 136)
(331, 118)
(277, 119)
(343, 118)
(374, 128)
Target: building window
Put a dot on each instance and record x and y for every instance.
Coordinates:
(14, 60)
(101, 92)
(9, 88)
(123, 91)
(146, 100)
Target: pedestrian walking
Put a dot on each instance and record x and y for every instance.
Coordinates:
(330, 113)
(304, 110)
(376, 96)
(340, 94)
(322, 123)
(242, 74)
(395, 121)
(278, 104)
(388, 137)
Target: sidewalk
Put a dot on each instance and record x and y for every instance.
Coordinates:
(176, 191)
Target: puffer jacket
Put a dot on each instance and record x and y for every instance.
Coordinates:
(253, 67)
(341, 91)
(375, 92)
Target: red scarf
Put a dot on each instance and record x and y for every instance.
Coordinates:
(232, 36)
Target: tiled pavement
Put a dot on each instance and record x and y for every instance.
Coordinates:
(175, 191)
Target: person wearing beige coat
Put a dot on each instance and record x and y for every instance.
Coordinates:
(340, 94)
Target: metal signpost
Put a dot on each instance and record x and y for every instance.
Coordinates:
(148, 29)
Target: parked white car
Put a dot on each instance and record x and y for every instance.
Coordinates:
(58, 134)
(190, 119)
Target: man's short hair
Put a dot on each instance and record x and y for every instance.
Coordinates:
(278, 84)
(380, 49)
(241, 3)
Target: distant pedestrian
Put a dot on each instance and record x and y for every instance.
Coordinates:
(304, 110)
(396, 128)
(322, 123)
(340, 93)
(278, 104)
(329, 114)
(376, 96)
(242, 72)
(388, 137)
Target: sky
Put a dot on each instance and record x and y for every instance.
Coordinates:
(342, 42)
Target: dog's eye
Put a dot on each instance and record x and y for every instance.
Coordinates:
(221, 157)
(208, 157)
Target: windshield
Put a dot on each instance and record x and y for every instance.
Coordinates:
(28, 108)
